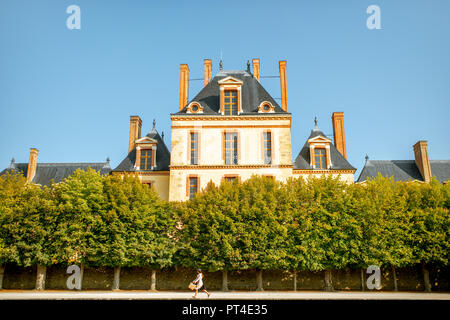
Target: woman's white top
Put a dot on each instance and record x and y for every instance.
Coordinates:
(199, 278)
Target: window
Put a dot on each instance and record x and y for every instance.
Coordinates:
(194, 147)
(193, 186)
(230, 103)
(146, 159)
(320, 158)
(231, 178)
(148, 184)
(231, 148)
(267, 145)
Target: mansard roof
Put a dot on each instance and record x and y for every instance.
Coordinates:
(404, 170)
(45, 172)
(253, 94)
(303, 160)
(162, 160)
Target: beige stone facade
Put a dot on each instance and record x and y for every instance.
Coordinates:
(211, 163)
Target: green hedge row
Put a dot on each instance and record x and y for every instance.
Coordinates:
(319, 224)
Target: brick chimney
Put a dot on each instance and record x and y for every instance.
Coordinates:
(422, 160)
(184, 85)
(32, 164)
(208, 71)
(135, 131)
(256, 68)
(284, 98)
(338, 132)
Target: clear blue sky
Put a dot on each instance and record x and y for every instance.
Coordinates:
(70, 93)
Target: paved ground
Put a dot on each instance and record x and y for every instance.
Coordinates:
(219, 295)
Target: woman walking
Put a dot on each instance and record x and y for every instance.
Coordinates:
(198, 282)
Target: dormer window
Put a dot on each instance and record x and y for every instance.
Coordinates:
(266, 107)
(319, 151)
(194, 107)
(146, 154)
(230, 96)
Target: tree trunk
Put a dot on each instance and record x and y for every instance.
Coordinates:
(2, 273)
(295, 280)
(394, 274)
(153, 281)
(81, 276)
(259, 281)
(116, 283)
(328, 281)
(224, 280)
(426, 278)
(363, 284)
(40, 278)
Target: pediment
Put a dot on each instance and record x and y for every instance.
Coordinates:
(146, 140)
(319, 139)
(230, 80)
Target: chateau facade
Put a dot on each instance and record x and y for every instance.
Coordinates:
(232, 129)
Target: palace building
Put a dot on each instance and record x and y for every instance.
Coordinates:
(232, 129)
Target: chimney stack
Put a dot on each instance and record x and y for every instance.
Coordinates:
(422, 160)
(284, 99)
(256, 68)
(184, 85)
(135, 131)
(32, 164)
(339, 133)
(208, 71)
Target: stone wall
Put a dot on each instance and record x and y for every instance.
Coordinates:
(408, 279)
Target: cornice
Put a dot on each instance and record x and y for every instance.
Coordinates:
(226, 166)
(329, 171)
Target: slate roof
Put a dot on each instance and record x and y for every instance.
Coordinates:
(338, 162)
(253, 93)
(404, 170)
(45, 172)
(162, 160)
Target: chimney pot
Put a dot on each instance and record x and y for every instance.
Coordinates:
(338, 133)
(256, 68)
(184, 85)
(135, 131)
(208, 71)
(283, 84)
(32, 164)
(422, 160)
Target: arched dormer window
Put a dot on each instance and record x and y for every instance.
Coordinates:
(194, 107)
(266, 107)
